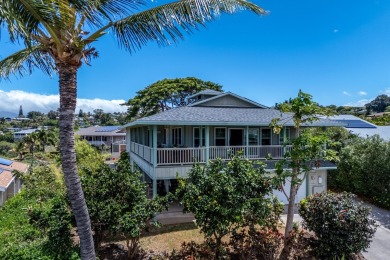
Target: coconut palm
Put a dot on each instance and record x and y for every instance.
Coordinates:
(58, 36)
(46, 137)
(20, 149)
(33, 143)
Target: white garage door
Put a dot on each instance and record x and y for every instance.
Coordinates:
(300, 195)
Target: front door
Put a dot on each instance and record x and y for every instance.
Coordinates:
(236, 137)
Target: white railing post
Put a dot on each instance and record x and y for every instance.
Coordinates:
(247, 142)
(207, 144)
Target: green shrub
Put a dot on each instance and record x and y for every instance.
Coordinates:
(35, 223)
(364, 169)
(342, 227)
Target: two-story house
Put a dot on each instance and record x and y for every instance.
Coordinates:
(166, 145)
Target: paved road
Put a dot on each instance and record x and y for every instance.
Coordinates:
(380, 245)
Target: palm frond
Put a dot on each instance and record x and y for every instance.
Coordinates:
(25, 61)
(97, 12)
(165, 23)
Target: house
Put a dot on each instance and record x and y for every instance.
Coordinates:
(166, 145)
(23, 133)
(9, 184)
(357, 126)
(102, 135)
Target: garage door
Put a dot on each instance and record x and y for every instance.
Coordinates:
(300, 194)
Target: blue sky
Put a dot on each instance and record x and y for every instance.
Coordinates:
(338, 51)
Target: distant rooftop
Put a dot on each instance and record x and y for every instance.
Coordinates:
(101, 131)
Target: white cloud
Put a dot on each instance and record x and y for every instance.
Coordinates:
(346, 93)
(10, 101)
(362, 93)
(387, 92)
(359, 103)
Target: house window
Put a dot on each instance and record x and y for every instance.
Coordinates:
(220, 136)
(281, 136)
(165, 136)
(265, 136)
(253, 134)
(176, 136)
(197, 137)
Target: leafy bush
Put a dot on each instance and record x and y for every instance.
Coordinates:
(341, 226)
(117, 202)
(225, 197)
(364, 169)
(256, 244)
(35, 224)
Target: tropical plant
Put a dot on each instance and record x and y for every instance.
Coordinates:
(342, 227)
(118, 204)
(364, 169)
(46, 137)
(20, 149)
(56, 35)
(307, 149)
(225, 197)
(32, 143)
(166, 94)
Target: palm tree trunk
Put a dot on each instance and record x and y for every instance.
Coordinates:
(68, 95)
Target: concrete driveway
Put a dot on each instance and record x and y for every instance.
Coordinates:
(380, 246)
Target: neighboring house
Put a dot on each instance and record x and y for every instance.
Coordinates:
(102, 135)
(362, 128)
(167, 144)
(9, 184)
(23, 133)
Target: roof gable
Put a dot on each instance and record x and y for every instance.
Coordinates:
(228, 99)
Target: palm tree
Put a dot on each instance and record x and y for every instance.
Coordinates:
(20, 149)
(46, 137)
(57, 38)
(33, 143)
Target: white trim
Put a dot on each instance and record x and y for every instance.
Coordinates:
(229, 94)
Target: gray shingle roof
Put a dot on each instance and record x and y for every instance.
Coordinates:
(221, 116)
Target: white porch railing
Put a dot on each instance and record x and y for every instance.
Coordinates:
(252, 152)
(180, 155)
(145, 152)
(170, 156)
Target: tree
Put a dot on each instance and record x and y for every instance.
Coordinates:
(307, 148)
(118, 204)
(32, 142)
(81, 113)
(52, 115)
(46, 137)
(34, 115)
(166, 94)
(226, 197)
(56, 36)
(379, 104)
(20, 110)
(20, 149)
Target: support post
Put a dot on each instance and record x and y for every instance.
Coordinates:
(284, 140)
(207, 144)
(154, 139)
(247, 141)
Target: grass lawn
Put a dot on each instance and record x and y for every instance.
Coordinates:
(170, 237)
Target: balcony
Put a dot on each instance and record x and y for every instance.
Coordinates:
(182, 156)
